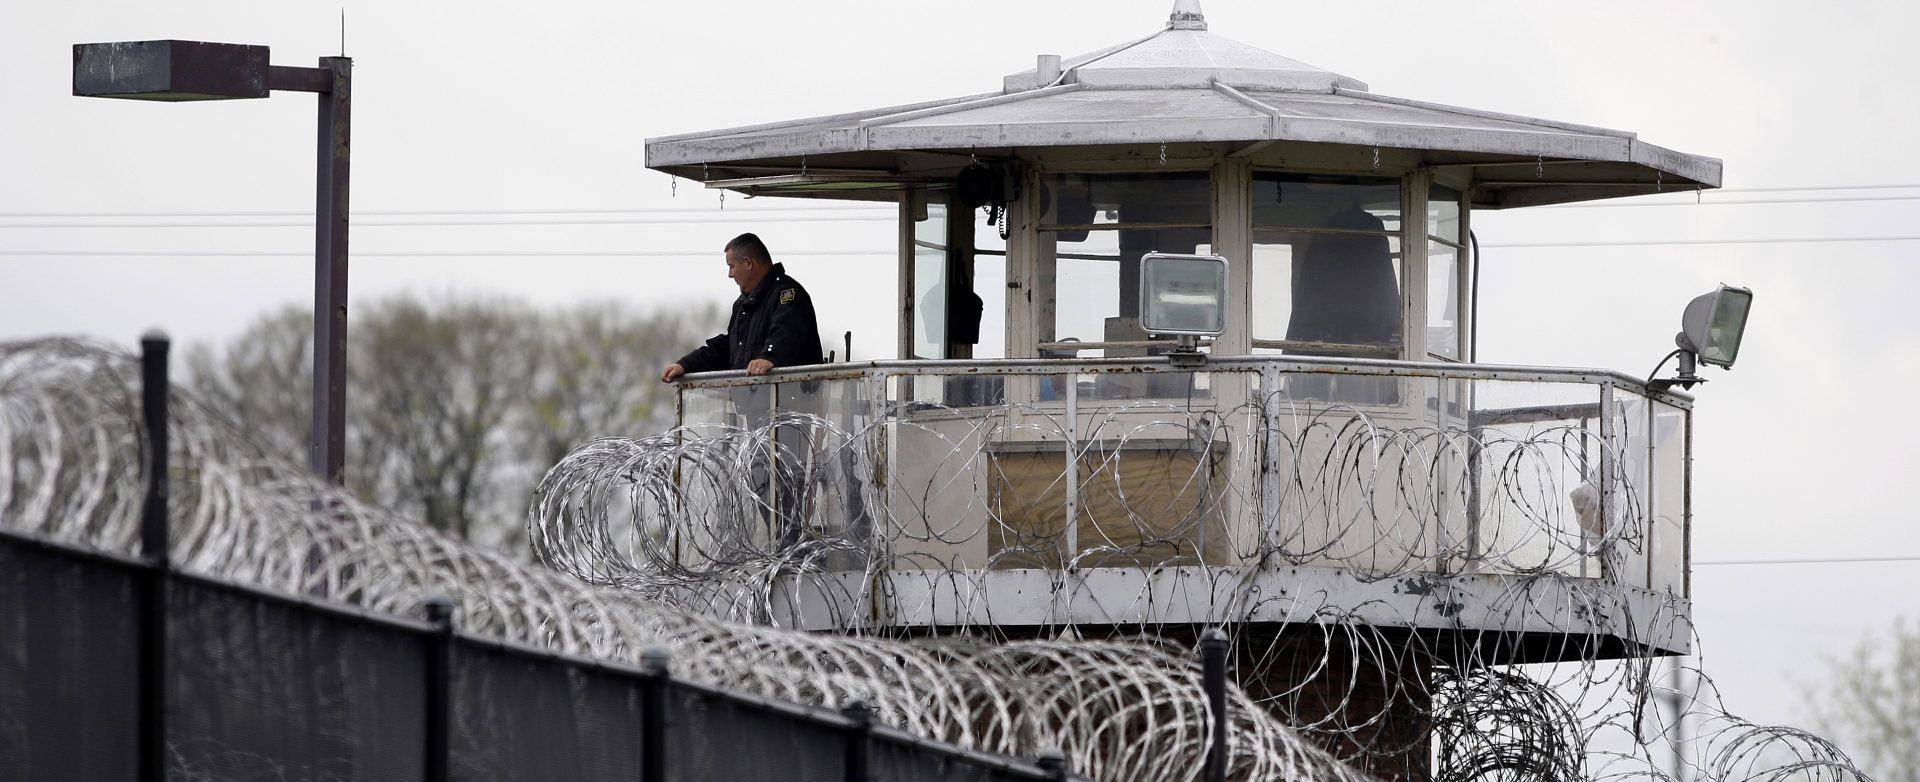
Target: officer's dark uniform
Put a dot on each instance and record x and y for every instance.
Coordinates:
(773, 321)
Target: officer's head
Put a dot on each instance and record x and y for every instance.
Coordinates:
(748, 261)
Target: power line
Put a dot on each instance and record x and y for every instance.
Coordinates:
(308, 224)
(1815, 188)
(639, 217)
(452, 212)
(817, 253)
(1732, 202)
(1693, 242)
(700, 253)
(889, 208)
(1809, 561)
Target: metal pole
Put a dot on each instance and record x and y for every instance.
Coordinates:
(1679, 703)
(329, 436)
(152, 749)
(439, 689)
(653, 714)
(858, 740)
(1054, 762)
(1213, 660)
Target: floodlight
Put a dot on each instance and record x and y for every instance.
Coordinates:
(1184, 296)
(1710, 332)
(1714, 323)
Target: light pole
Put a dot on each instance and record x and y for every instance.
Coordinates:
(194, 70)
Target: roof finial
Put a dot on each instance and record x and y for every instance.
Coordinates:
(1186, 16)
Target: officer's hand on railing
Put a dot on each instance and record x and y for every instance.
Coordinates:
(759, 366)
(672, 371)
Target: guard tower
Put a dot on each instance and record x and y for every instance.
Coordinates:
(1331, 476)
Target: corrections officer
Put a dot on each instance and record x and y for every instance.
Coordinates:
(772, 324)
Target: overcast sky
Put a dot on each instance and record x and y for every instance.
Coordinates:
(1806, 450)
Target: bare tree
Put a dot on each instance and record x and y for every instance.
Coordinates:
(433, 389)
(601, 376)
(456, 407)
(1870, 705)
(263, 378)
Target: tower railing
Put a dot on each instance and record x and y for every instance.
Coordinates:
(1380, 468)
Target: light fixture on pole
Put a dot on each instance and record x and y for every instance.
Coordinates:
(195, 70)
(1710, 333)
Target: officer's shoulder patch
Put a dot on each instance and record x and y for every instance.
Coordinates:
(786, 296)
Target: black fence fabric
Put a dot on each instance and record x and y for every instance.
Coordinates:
(896, 761)
(259, 686)
(517, 716)
(267, 690)
(715, 738)
(68, 668)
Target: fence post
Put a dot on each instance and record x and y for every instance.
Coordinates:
(439, 609)
(1054, 762)
(152, 622)
(859, 738)
(1213, 657)
(654, 663)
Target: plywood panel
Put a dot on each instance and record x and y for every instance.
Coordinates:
(1139, 507)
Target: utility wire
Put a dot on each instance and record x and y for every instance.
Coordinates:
(747, 211)
(699, 252)
(1732, 202)
(1809, 561)
(641, 216)
(414, 253)
(888, 216)
(751, 211)
(1688, 242)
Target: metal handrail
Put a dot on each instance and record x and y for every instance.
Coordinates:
(1154, 364)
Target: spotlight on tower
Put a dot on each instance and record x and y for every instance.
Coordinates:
(1710, 333)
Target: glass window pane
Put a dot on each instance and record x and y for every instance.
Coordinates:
(1313, 201)
(1443, 301)
(1083, 199)
(1097, 293)
(990, 281)
(930, 282)
(1088, 271)
(1326, 265)
(1443, 214)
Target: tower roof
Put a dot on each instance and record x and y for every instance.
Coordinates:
(1185, 84)
(1186, 55)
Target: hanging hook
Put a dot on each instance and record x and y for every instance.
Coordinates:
(1659, 180)
(1540, 167)
(704, 176)
(1163, 154)
(673, 186)
(723, 200)
(1376, 158)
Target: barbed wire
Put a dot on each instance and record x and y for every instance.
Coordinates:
(725, 538)
(71, 471)
(894, 500)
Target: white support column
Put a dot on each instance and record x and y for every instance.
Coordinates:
(1233, 240)
(1023, 274)
(910, 202)
(1024, 215)
(1413, 265)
